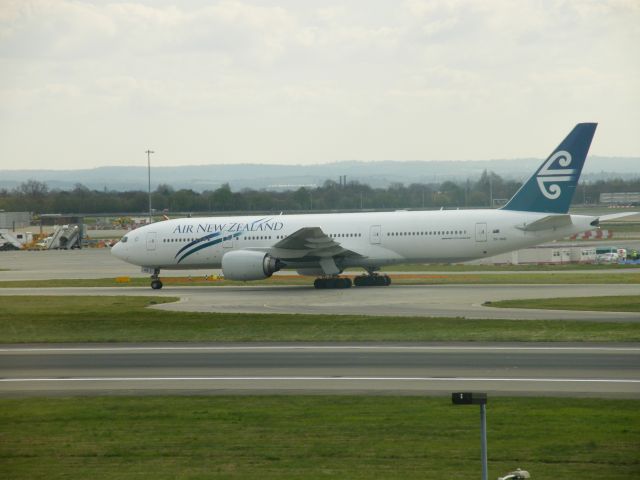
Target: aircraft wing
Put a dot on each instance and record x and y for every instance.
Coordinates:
(546, 223)
(310, 242)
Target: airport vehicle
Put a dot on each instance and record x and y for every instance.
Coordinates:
(11, 240)
(610, 254)
(324, 245)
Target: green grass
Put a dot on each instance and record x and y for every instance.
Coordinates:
(629, 303)
(308, 437)
(125, 319)
(471, 278)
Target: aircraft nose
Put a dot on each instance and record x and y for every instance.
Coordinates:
(118, 250)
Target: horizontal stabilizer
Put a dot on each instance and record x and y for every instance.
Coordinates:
(550, 222)
(615, 216)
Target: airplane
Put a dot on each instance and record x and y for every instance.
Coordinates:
(324, 245)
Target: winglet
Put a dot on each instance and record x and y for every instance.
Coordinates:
(551, 188)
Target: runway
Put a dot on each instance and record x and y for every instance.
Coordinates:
(409, 369)
(397, 300)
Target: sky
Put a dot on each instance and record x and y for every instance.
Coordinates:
(86, 84)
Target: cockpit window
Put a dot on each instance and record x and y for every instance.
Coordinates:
(124, 239)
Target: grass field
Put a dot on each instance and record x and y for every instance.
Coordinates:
(601, 304)
(576, 277)
(298, 437)
(125, 319)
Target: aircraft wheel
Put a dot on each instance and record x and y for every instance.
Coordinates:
(335, 282)
(156, 284)
(372, 281)
(366, 281)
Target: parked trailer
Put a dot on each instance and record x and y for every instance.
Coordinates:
(11, 240)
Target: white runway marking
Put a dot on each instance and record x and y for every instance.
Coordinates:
(384, 379)
(319, 347)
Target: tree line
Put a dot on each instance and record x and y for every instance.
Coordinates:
(36, 197)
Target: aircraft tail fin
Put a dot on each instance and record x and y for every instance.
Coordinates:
(551, 188)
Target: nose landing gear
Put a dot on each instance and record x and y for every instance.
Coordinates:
(156, 284)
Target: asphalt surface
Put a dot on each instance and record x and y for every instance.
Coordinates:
(410, 369)
(396, 300)
(519, 369)
(99, 263)
(401, 300)
(442, 300)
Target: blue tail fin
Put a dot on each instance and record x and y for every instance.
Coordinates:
(551, 188)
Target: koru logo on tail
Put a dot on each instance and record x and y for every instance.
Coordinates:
(549, 178)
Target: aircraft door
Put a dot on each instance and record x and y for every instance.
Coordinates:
(151, 241)
(374, 234)
(481, 232)
(228, 241)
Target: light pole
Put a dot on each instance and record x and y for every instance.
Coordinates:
(473, 398)
(149, 152)
(491, 190)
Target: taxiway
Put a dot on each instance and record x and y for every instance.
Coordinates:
(397, 300)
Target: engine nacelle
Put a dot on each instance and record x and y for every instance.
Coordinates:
(249, 265)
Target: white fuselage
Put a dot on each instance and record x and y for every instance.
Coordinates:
(379, 238)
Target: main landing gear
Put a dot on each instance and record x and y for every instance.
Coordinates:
(332, 282)
(372, 280)
(156, 284)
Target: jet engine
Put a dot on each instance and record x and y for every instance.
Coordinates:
(249, 265)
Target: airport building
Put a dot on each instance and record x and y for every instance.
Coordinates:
(620, 198)
(13, 220)
(545, 254)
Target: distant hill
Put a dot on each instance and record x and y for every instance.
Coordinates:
(278, 177)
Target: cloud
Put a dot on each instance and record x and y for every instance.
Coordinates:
(364, 67)
(73, 30)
